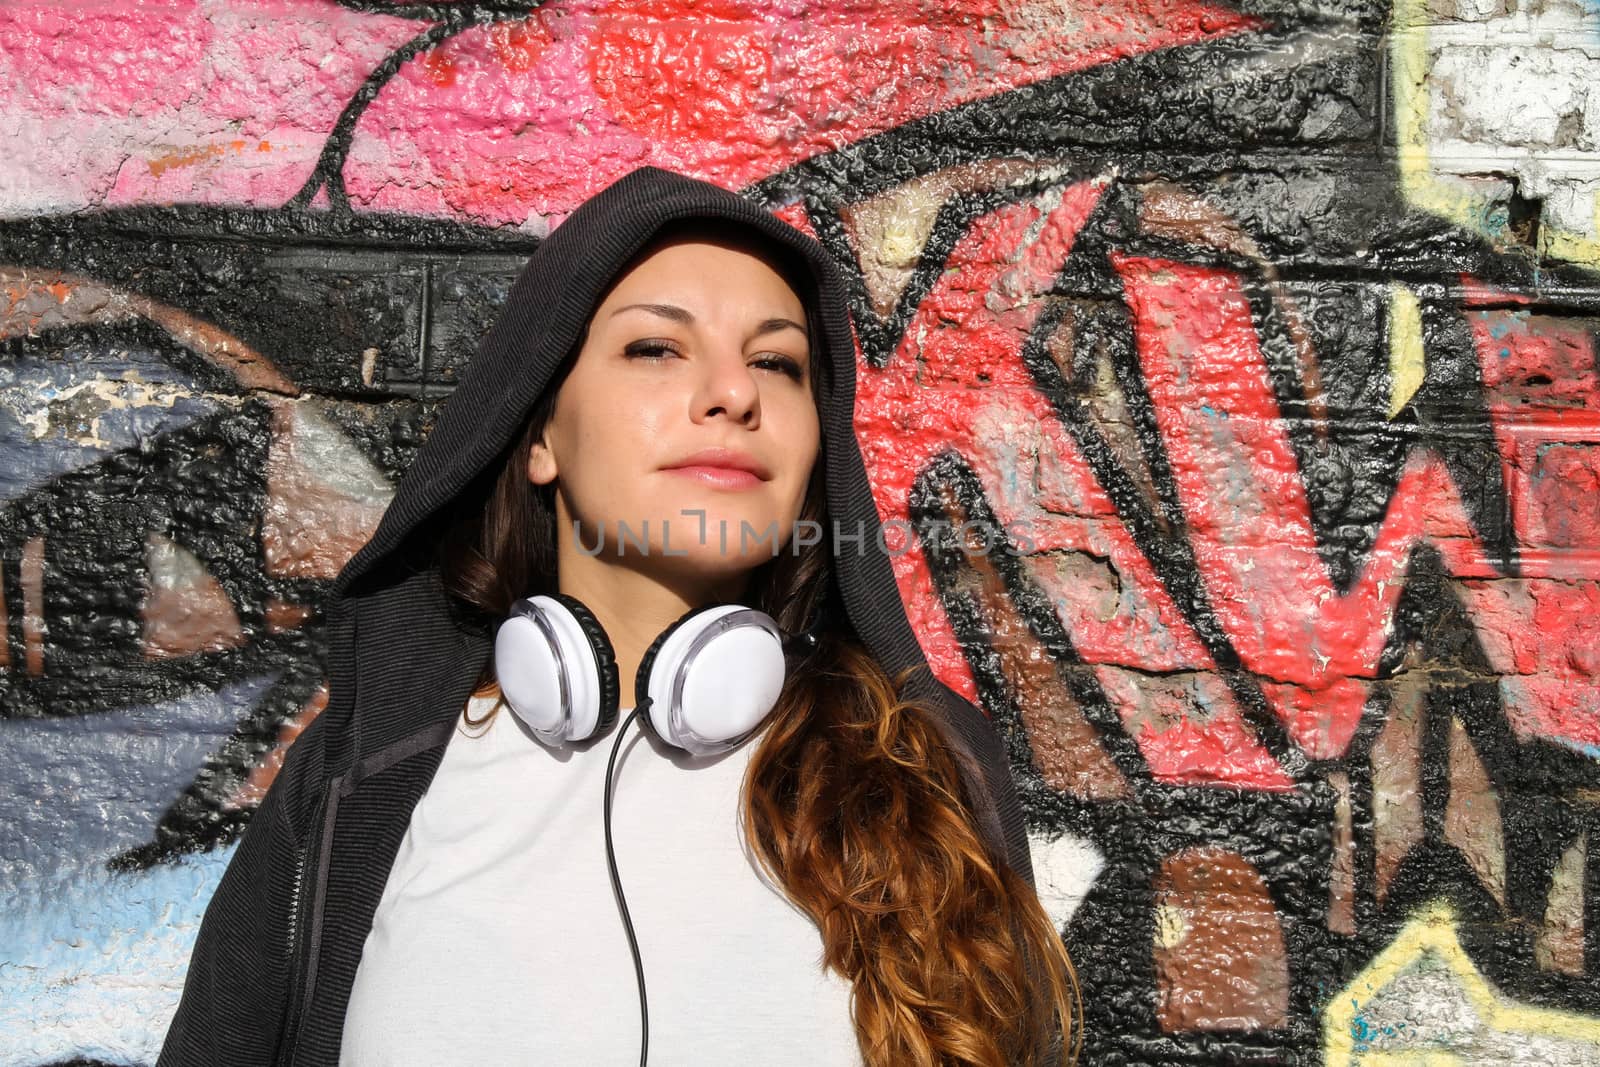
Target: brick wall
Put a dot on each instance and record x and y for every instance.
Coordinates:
(1268, 329)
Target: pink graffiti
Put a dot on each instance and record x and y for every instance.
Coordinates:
(516, 122)
(179, 102)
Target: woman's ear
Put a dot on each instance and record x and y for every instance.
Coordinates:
(541, 464)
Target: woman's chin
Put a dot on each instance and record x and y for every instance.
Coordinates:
(707, 562)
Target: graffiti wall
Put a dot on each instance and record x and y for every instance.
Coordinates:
(1270, 329)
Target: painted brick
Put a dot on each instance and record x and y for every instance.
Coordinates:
(1268, 332)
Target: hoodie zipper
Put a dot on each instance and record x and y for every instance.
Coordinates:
(294, 901)
(303, 975)
(286, 1045)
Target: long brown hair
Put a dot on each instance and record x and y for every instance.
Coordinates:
(854, 802)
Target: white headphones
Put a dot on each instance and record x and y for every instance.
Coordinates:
(703, 685)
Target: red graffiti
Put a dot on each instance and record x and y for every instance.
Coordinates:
(957, 381)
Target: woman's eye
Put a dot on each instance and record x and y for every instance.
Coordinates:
(782, 364)
(651, 348)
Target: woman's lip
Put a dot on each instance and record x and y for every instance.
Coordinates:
(721, 477)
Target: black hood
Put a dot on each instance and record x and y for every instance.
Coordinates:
(401, 659)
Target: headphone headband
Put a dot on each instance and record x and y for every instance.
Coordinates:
(705, 683)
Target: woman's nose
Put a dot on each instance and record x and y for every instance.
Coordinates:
(728, 387)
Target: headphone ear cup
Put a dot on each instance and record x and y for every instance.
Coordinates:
(711, 677)
(605, 660)
(647, 662)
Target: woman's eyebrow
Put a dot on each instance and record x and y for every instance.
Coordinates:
(773, 325)
(666, 311)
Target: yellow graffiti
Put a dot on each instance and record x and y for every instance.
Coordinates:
(1427, 187)
(1431, 932)
(1408, 63)
(1576, 247)
(1406, 362)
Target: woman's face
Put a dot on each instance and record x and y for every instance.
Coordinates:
(696, 364)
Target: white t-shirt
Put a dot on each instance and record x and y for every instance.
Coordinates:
(498, 939)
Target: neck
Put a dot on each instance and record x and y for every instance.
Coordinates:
(634, 606)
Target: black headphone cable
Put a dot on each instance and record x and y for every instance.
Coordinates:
(622, 902)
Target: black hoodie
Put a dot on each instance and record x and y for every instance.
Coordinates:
(277, 952)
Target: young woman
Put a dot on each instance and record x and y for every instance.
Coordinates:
(819, 857)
